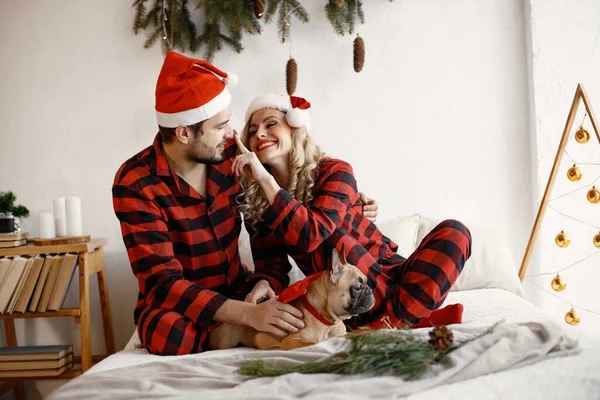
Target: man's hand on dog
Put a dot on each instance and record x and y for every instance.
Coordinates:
(275, 317)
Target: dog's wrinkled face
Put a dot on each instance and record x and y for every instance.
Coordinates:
(349, 294)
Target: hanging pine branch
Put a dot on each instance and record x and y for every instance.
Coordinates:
(285, 9)
(189, 30)
(139, 19)
(343, 15)
(227, 21)
(235, 16)
(168, 20)
(213, 39)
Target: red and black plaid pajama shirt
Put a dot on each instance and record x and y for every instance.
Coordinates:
(183, 248)
(406, 290)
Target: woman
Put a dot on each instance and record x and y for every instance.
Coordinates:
(298, 202)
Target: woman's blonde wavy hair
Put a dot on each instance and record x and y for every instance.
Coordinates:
(304, 158)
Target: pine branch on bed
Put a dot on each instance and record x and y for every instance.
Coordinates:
(370, 352)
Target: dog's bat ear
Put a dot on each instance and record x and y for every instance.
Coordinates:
(343, 255)
(336, 266)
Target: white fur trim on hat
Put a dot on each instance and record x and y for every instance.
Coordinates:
(295, 117)
(231, 80)
(191, 117)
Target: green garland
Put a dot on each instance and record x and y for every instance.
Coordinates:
(343, 16)
(286, 8)
(369, 352)
(227, 21)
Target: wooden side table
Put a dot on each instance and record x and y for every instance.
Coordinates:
(90, 262)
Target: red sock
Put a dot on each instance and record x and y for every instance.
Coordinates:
(451, 314)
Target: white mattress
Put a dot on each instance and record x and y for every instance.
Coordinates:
(554, 378)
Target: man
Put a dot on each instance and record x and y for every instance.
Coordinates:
(176, 203)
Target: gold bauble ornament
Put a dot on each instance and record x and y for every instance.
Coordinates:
(597, 240)
(582, 136)
(557, 284)
(562, 239)
(572, 318)
(574, 174)
(593, 195)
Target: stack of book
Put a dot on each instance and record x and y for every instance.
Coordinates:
(13, 239)
(24, 361)
(35, 284)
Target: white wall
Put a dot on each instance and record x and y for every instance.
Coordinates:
(565, 51)
(436, 123)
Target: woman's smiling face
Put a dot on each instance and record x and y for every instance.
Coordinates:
(269, 135)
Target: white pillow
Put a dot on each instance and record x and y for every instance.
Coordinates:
(403, 231)
(491, 264)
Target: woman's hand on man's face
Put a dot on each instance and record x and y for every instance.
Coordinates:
(248, 162)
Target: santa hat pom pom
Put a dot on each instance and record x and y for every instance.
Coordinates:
(296, 118)
(231, 80)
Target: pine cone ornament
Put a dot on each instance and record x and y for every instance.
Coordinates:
(338, 3)
(359, 53)
(441, 338)
(291, 76)
(259, 8)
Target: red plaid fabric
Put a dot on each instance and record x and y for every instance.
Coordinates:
(183, 248)
(406, 290)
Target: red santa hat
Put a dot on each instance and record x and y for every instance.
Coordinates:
(295, 108)
(190, 90)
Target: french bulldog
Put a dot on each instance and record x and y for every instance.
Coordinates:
(325, 299)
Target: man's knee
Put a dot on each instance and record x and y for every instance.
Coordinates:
(168, 333)
(458, 232)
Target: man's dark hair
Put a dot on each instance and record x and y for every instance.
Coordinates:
(168, 134)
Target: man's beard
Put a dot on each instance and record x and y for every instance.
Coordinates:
(203, 154)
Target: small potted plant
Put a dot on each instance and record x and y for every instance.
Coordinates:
(10, 214)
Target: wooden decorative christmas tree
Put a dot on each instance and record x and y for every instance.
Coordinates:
(574, 174)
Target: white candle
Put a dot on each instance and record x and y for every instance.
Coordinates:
(60, 217)
(46, 225)
(73, 213)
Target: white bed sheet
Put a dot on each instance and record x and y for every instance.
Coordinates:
(482, 306)
(555, 378)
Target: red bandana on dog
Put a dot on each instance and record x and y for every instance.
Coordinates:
(299, 289)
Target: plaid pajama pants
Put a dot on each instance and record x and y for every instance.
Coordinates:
(419, 284)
